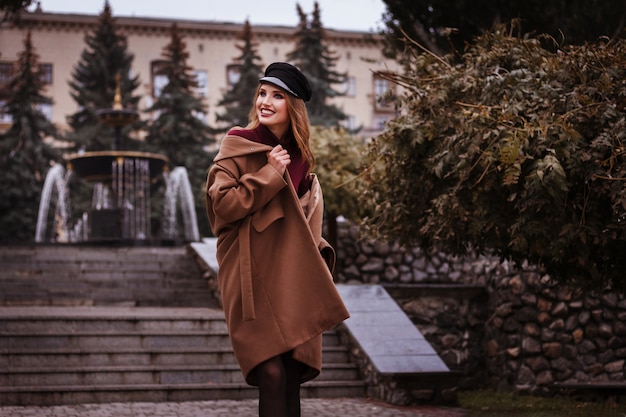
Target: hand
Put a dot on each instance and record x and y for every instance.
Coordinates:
(279, 158)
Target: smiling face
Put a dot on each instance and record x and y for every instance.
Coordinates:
(271, 109)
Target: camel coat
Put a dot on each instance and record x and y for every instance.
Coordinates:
(276, 286)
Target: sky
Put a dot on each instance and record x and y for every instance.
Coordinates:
(359, 15)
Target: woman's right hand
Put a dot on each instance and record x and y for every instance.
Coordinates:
(279, 159)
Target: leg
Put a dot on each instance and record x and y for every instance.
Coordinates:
(293, 370)
(272, 377)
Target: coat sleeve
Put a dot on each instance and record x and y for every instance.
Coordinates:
(313, 205)
(233, 197)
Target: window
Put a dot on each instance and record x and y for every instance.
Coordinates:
(6, 72)
(200, 116)
(4, 116)
(201, 80)
(380, 122)
(159, 80)
(45, 73)
(158, 84)
(349, 122)
(348, 88)
(383, 94)
(46, 109)
(233, 74)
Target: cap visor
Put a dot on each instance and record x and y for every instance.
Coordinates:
(279, 83)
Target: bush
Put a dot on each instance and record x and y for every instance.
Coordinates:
(516, 151)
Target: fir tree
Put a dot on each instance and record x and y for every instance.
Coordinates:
(94, 82)
(317, 62)
(10, 9)
(238, 99)
(24, 156)
(177, 131)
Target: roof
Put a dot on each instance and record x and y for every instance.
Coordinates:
(211, 28)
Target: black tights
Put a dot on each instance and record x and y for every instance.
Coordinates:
(279, 386)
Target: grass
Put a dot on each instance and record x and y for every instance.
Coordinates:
(493, 404)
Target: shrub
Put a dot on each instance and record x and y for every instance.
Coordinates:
(516, 151)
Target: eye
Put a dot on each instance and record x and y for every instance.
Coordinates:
(262, 93)
(279, 95)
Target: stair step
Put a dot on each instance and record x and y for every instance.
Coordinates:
(77, 252)
(137, 357)
(87, 341)
(147, 340)
(38, 326)
(121, 357)
(85, 275)
(164, 374)
(78, 394)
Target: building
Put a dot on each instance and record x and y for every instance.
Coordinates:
(59, 41)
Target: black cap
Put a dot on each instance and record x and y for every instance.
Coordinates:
(289, 78)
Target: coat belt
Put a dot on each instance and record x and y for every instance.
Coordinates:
(245, 268)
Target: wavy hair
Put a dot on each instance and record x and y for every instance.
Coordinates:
(299, 124)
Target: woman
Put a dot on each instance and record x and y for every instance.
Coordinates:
(265, 207)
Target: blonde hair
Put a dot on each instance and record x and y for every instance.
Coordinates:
(299, 124)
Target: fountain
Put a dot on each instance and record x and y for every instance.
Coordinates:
(178, 189)
(56, 180)
(121, 205)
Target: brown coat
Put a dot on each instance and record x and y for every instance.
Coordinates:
(277, 290)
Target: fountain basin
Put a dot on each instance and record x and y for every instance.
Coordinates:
(117, 117)
(120, 212)
(96, 166)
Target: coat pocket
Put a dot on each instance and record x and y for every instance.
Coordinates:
(263, 218)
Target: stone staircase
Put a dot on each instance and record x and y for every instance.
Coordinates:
(134, 333)
(96, 275)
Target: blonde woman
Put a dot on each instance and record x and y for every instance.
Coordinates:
(265, 206)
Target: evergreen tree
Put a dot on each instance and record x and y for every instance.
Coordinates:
(317, 62)
(24, 156)
(10, 9)
(238, 99)
(177, 131)
(94, 82)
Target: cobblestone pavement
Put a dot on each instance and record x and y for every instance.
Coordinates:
(344, 407)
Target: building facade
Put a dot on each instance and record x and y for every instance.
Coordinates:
(59, 41)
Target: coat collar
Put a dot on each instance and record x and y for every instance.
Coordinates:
(234, 146)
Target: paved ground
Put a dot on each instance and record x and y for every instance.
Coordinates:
(343, 407)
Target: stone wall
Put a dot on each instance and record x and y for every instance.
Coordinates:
(541, 333)
(369, 261)
(501, 327)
